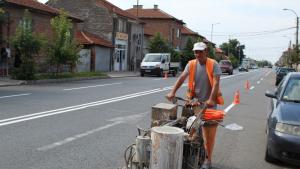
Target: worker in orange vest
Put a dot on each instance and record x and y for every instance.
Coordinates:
(204, 79)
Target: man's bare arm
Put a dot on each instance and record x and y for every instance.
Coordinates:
(177, 85)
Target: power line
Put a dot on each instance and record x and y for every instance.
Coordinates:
(254, 34)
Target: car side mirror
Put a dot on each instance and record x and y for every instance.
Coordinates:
(163, 61)
(271, 95)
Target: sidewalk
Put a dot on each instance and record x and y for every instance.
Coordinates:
(123, 74)
(5, 81)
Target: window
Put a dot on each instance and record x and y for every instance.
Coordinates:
(122, 26)
(178, 33)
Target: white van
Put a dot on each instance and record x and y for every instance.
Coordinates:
(156, 64)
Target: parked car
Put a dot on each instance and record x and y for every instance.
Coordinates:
(226, 66)
(281, 72)
(283, 124)
(158, 64)
(243, 68)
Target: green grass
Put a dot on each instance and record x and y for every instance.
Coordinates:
(69, 75)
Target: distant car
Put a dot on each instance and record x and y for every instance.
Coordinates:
(281, 72)
(283, 123)
(226, 66)
(243, 68)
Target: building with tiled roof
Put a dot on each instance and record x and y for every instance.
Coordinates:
(109, 22)
(41, 15)
(158, 21)
(189, 34)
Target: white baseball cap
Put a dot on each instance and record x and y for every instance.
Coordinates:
(199, 46)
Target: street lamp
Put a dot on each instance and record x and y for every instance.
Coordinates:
(297, 28)
(212, 28)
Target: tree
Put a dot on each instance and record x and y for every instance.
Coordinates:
(188, 53)
(234, 48)
(63, 48)
(158, 44)
(26, 45)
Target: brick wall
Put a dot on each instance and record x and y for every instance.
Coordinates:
(97, 19)
(165, 27)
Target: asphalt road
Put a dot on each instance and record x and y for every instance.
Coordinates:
(88, 124)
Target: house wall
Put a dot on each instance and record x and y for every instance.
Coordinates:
(167, 27)
(135, 46)
(102, 58)
(97, 19)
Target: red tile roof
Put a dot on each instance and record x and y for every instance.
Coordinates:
(115, 9)
(34, 4)
(152, 14)
(218, 50)
(187, 31)
(85, 38)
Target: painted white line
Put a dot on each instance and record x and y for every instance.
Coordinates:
(262, 79)
(229, 107)
(268, 73)
(91, 86)
(5, 122)
(76, 137)
(258, 82)
(18, 119)
(252, 88)
(158, 79)
(116, 121)
(18, 95)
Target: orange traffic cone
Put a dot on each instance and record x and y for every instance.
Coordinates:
(166, 75)
(247, 85)
(236, 97)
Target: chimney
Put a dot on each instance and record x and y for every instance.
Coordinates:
(138, 6)
(155, 6)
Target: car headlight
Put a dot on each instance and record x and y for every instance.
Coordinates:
(288, 129)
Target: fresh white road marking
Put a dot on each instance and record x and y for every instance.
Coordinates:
(18, 95)
(229, 107)
(18, 119)
(258, 82)
(115, 121)
(92, 86)
(268, 73)
(252, 88)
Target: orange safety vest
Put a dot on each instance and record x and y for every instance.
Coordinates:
(210, 74)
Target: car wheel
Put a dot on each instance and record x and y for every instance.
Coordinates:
(268, 157)
(142, 74)
(276, 83)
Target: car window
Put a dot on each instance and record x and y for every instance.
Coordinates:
(152, 58)
(225, 62)
(292, 90)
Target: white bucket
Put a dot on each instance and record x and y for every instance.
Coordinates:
(166, 147)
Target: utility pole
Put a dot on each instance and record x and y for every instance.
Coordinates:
(212, 28)
(297, 31)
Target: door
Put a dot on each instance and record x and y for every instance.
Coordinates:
(120, 60)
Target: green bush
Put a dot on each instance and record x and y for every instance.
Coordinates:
(26, 71)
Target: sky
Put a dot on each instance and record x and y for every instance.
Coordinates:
(260, 25)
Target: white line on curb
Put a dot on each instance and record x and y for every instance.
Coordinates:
(18, 95)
